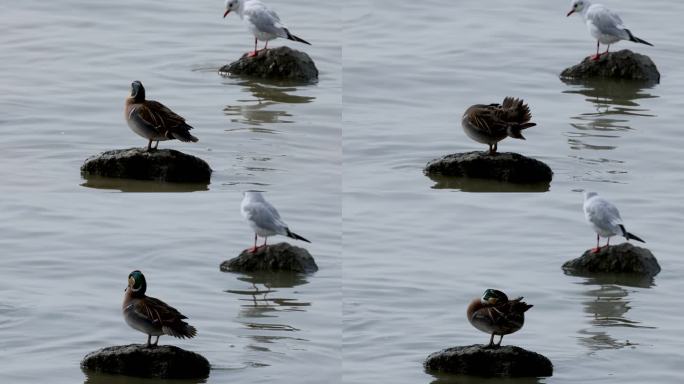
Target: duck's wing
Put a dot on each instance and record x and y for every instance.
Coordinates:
(514, 111)
(161, 117)
(486, 118)
(165, 316)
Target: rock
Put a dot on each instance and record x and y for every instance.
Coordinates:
(506, 166)
(164, 361)
(276, 257)
(623, 64)
(622, 258)
(481, 360)
(283, 63)
(138, 163)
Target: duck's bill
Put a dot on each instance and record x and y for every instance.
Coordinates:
(226, 14)
(569, 13)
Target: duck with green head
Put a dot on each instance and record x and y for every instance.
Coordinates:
(493, 313)
(151, 316)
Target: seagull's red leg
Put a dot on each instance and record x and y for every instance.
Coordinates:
(596, 57)
(608, 242)
(607, 48)
(265, 240)
(266, 45)
(254, 248)
(597, 249)
(252, 54)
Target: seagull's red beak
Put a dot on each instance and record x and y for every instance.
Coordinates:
(226, 14)
(569, 13)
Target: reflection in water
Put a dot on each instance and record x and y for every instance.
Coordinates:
(466, 184)
(257, 112)
(597, 132)
(445, 378)
(93, 377)
(608, 305)
(262, 304)
(131, 185)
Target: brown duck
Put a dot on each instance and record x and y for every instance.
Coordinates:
(496, 315)
(491, 123)
(153, 120)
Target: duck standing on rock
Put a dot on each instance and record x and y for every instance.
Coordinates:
(605, 218)
(493, 313)
(153, 120)
(264, 219)
(603, 24)
(491, 123)
(262, 21)
(152, 316)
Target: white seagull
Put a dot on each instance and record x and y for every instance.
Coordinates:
(261, 20)
(605, 25)
(264, 219)
(605, 218)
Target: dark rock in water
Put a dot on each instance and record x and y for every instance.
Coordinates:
(283, 63)
(506, 166)
(623, 64)
(276, 257)
(481, 360)
(622, 258)
(163, 361)
(139, 163)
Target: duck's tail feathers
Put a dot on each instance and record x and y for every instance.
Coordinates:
(181, 330)
(295, 236)
(636, 39)
(184, 135)
(295, 38)
(630, 236)
(520, 306)
(514, 131)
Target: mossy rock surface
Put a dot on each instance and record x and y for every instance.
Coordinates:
(623, 258)
(623, 64)
(482, 360)
(278, 64)
(505, 166)
(276, 257)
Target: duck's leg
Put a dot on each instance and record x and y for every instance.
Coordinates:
(149, 340)
(149, 145)
(496, 146)
(596, 57)
(491, 341)
(156, 144)
(499, 344)
(156, 341)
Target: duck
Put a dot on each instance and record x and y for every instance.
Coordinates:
(264, 219)
(605, 218)
(152, 316)
(262, 21)
(495, 314)
(491, 123)
(153, 120)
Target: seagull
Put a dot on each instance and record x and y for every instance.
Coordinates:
(605, 25)
(264, 219)
(605, 219)
(491, 123)
(262, 21)
(151, 316)
(153, 120)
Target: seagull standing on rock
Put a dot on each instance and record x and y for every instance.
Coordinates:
(262, 21)
(264, 219)
(605, 25)
(605, 218)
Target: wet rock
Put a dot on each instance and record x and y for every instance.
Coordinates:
(276, 257)
(623, 64)
(481, 360)
(164, 361)
(622, 258)
(283, 63)
(138, 163)
(506, 166)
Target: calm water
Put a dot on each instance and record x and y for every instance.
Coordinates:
(400, 254)
(416, 250)
(69, 244)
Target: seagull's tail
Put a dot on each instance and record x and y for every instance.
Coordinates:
(514, 130)
(630, 236)
(295, 236)
(636, 39)
(295, 38)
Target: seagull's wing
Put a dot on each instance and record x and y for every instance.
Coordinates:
(602, 213)
(606, 21)
(264, 19)
(265, 216)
